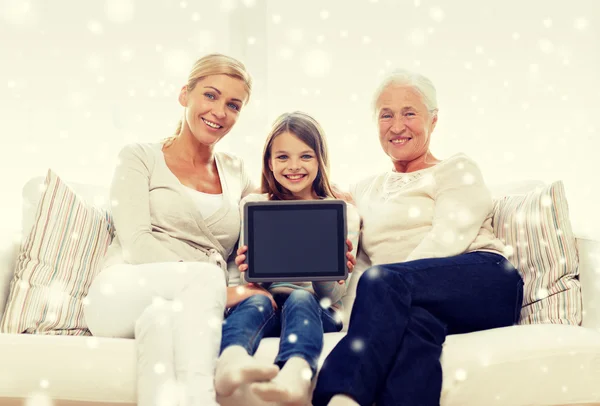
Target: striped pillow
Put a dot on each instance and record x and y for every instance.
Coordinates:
(540, 243)
(57, 263)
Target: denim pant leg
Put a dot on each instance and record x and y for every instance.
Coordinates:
(399, 322)
(332, 323)
(248, 322)
(303, 322)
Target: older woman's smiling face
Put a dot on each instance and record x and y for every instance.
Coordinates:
(405, 126)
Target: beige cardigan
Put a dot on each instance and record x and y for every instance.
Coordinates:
(155, 218)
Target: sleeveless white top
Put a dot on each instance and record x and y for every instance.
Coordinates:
(207, 203)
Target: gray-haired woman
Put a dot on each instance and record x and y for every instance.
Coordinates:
(438, 268)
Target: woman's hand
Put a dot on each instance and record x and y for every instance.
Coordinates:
(255, 289)
(237, 294)
(240, 258)
(340, 194)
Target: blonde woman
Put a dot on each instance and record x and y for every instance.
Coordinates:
(175, 208)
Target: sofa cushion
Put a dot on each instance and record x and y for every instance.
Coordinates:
(543, 364)
(559, 364)
(56, 264)
(536, 230)
(34, 188)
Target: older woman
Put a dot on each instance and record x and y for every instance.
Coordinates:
(438, 268)
(175, 208)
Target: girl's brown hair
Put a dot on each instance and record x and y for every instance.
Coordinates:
(307, 130)
(214, 64)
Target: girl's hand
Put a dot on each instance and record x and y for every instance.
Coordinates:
(351, 260)
(251, 288)
(240, 258)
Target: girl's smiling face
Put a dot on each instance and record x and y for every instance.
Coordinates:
(294, 165)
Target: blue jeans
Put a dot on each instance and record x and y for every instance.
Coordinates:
(301, 323)
(401, 316)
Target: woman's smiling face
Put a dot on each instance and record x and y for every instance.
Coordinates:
(213, 107)
(405, 124)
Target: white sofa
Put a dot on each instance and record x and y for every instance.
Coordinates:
(514, 366)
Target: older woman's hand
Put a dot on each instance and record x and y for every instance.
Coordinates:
(340, 194)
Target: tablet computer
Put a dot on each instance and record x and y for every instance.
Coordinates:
(299, 240)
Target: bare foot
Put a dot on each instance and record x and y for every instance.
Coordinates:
(235, 367)
(291, 385)
(243, 395)
(342, 400)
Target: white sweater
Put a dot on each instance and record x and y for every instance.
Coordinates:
(440, 211)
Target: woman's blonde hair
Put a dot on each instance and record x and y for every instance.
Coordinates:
(307, 130)
(214, 64)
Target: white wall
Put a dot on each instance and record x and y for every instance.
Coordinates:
(516, 80)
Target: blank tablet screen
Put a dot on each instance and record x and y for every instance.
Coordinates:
(296, 241)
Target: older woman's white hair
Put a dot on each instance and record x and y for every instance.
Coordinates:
(420, 83)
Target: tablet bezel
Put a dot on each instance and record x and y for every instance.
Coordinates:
(251, 207)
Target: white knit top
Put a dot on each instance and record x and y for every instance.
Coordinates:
(440, 211)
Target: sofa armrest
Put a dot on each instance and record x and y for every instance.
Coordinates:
(9, 250)
(589, 275)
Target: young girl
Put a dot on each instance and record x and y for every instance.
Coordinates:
(295, 167)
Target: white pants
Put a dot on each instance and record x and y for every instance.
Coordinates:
(175, 312)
